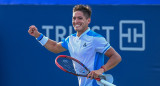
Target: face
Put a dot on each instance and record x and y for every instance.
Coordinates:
(80, 22)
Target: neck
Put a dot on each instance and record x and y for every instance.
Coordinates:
(79, 33)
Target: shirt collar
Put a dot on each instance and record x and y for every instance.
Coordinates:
(84, 33)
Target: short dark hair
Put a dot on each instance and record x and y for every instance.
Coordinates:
(85, 9)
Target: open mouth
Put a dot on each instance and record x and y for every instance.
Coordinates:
(77, 26)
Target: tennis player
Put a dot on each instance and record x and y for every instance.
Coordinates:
(86, 45)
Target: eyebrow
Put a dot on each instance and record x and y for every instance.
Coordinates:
(77, 16)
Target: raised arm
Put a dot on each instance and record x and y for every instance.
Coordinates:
(51, 45)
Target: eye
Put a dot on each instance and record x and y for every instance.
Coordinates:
(80, 18)
(73, 18)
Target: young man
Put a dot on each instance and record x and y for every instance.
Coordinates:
(85, 45)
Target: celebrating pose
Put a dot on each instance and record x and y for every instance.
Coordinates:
(86, 45)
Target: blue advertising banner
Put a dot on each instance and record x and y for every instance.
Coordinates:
(73, 2)
(133, 31)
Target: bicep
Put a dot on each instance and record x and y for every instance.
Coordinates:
(53, 46)
(60, 48)
(110, 52)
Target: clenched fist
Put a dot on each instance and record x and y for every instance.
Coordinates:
(33, 31)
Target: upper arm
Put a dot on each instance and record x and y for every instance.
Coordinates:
(111, 52)
(53, 46)
(60, 48)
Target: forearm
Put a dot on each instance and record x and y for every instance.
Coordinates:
(49, 44)
(112, 62)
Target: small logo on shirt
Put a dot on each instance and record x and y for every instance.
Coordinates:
(84, 45)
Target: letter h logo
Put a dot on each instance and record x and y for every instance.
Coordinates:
(132, 35)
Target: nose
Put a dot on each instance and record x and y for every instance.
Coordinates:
(75, 20)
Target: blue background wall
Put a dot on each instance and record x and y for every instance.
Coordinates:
(24, 62)
(71, 2)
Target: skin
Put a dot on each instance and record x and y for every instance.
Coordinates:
(80, 24)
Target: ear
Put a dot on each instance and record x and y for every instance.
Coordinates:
(89, 20)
